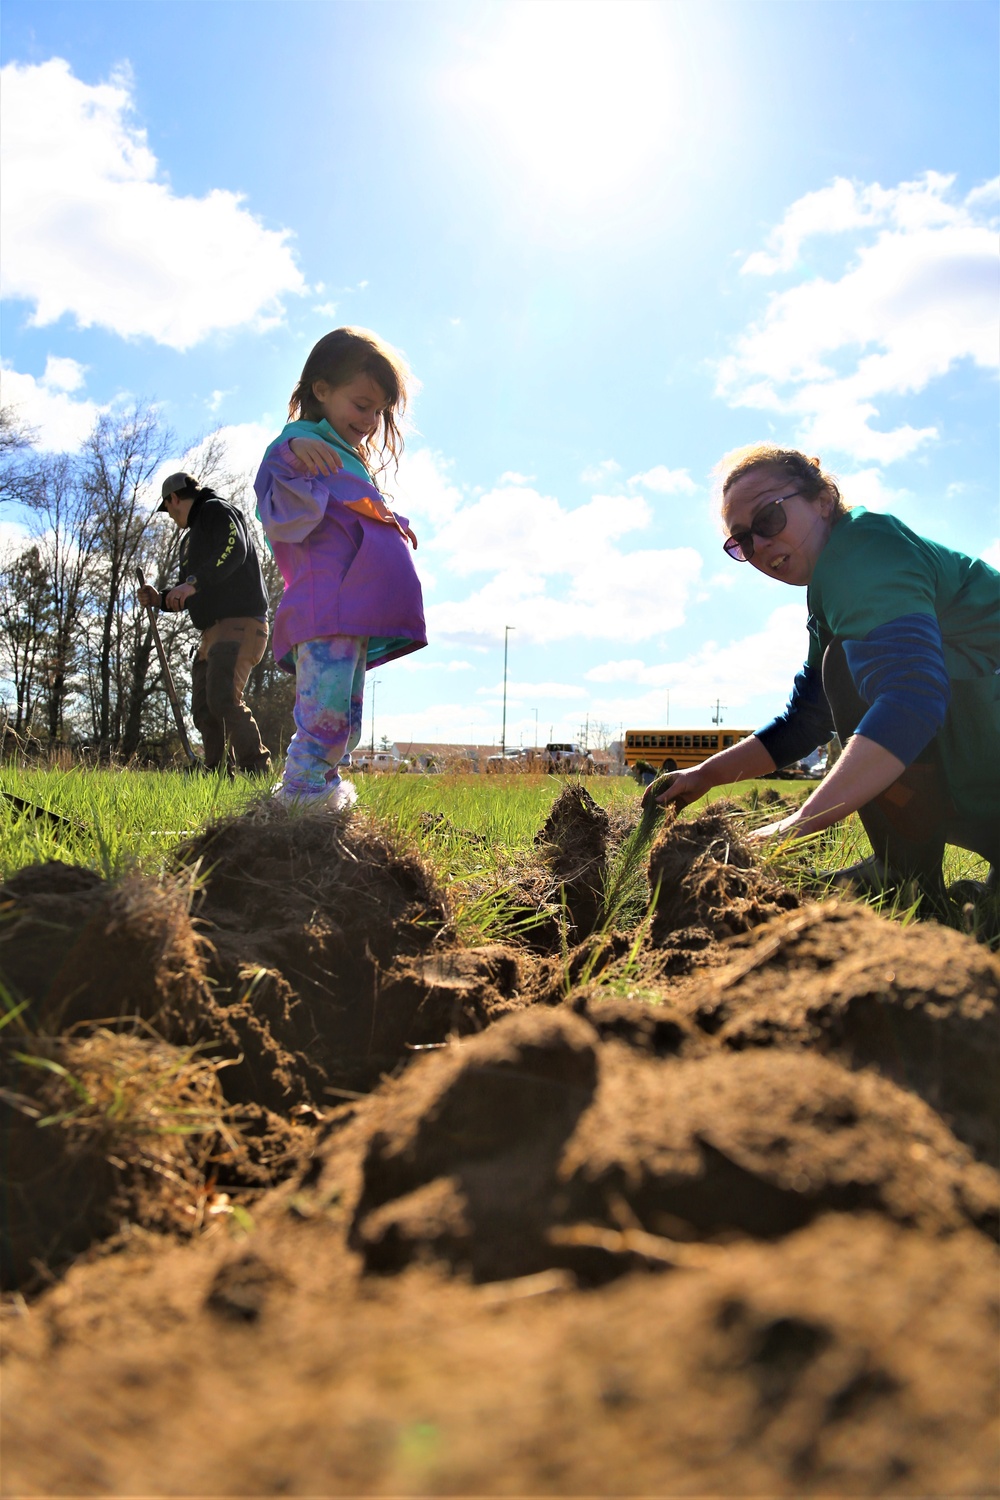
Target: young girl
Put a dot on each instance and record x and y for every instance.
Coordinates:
(904, 651)
(352, 599)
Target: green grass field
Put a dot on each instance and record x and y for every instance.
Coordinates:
(476, 831)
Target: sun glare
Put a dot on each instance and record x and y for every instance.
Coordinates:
(583, 93)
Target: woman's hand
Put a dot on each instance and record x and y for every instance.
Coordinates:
(678, 789)
(863, 771)
(315, 456)
(148, 597)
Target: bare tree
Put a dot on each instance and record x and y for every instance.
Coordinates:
(25, 623)
(119, 460)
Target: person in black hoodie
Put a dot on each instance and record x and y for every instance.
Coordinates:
(222, 589)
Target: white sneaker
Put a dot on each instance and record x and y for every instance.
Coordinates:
(336, 796)
(343, 795)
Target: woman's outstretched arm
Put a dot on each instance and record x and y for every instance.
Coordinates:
(745, 759)
(864, 770)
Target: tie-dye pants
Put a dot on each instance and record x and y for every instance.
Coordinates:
(329, 694)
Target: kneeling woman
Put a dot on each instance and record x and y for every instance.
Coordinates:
(904, 645)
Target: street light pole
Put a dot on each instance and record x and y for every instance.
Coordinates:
(374, 686)
(503, 728)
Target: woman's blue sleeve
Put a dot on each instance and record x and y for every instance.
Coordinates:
(899, 670)
(805, 723)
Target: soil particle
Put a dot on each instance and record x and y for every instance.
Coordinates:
(707, 877)
(240, 1288)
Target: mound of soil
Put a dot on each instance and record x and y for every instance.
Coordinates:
(573, 843)
(484, 1155)
(700, 1217)
(103, 1128)
(708, 879)
(920, 1003)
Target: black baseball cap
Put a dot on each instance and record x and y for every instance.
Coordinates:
(172, 484)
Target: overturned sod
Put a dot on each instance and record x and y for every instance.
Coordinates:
(690, 1197)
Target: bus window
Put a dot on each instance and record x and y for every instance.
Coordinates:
(727, 740)
(687, 742)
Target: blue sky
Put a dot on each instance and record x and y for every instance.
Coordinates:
(613, 240)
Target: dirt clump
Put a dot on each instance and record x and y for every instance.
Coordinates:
(107, 1128)
(478, 1156)
(573, 843)
(461, 1157)
(43, 907)
(708, 878)
(920, 1003)
(337, 938)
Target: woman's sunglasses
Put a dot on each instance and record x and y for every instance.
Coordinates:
(770, 520)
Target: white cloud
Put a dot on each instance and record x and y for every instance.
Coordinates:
(991, 554)
(734, 671)
(533, 531)
(665, 481)
(47, 405)
(611, 595)
(597, 473)
(422, 490)
(91, 230)
(417, 663)
(867, 487)
(918, 296)
(13, 538)
(517, 691)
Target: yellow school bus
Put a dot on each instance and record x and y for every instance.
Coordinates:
(678, 749)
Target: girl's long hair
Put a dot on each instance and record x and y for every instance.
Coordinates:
(338, 358)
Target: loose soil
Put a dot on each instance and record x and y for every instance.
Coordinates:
(305, 1197)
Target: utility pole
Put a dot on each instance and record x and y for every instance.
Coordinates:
(719, 710)
(375, 682)
(503, 728)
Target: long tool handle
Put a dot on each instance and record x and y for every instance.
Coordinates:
(168, 679)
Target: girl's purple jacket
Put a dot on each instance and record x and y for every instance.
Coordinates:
(345, 573)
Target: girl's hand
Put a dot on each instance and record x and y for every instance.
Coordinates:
(315, 456)
(412, 537)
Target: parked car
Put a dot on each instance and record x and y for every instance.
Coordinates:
(562, 757)
(511, 760)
